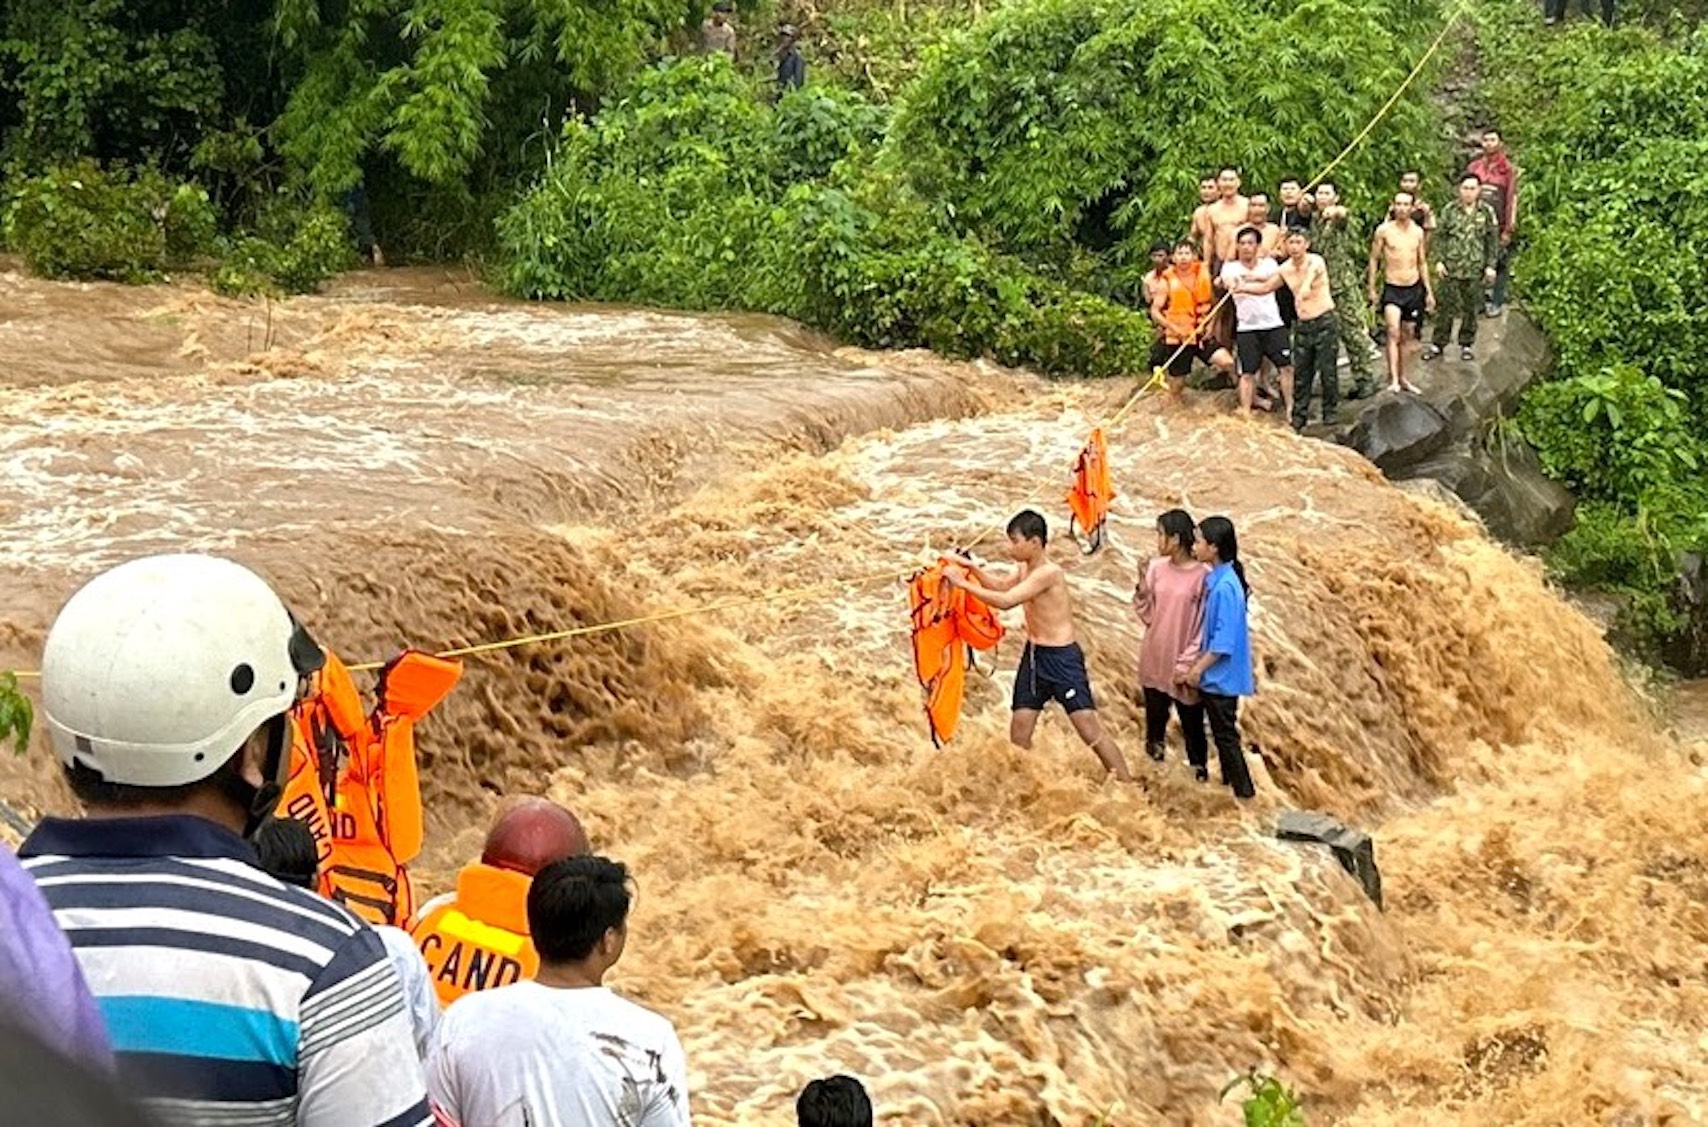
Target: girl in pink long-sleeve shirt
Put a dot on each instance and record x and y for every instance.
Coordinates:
(1169, 600)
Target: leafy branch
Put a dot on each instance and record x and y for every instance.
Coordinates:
(17, 715)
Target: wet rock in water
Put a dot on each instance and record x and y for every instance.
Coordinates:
(1398, 431)
(1352, 847)
(1452, 433)
(1505, 487)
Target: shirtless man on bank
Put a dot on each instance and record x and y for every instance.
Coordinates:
(1214, 225)
(1203, 232)
(1316, 334)
(1053, 666)
(1406, 291)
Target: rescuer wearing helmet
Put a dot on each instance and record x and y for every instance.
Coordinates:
(166, 687)
(477, 937)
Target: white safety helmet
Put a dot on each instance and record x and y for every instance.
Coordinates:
(157, 671)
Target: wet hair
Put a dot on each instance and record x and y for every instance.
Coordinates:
(1256, 235)
(1186, 244)
(1029, 525)
(1469, 175)
(834, 1101)
(1293, 180)
(1176, 524)
(1255, 196)
(1330, 185)
(1299, 233)
(287, 851)
(572, 903)
(46, 1088)
(1218, 532)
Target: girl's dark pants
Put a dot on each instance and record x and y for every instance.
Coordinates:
(1223, 713)
(1157, 704)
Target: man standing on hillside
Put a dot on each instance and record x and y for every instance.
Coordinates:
(718, 33)
(791, 65)
(1422, 214)
(1406, 293)
(1332, 237)
(1494, 168)
(1467, 246)
(1261, 334)
(1202, 231)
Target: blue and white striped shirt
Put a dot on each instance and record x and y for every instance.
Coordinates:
(232, 1000)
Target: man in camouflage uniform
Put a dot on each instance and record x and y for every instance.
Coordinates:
(1332, 237)
(1467, 245)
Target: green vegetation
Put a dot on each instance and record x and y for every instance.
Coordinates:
(1270, 1104)
(16, 715)
(1000, 206)
(1611, 128)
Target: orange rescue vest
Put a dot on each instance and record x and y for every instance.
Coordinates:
(353, 780)
(1189, 300)
(477, 938)
(948, 624)
(1092, 491)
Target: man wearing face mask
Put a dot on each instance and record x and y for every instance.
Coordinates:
(166, 686)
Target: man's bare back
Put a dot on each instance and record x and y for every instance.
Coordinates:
(1401, 243)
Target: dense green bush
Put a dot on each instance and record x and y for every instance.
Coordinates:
(1611, 128)
(691, 191)
(83, 221)
(295, 248)
(1053, 116)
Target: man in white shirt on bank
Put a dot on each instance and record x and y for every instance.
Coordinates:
(1260, 333)
(562, 1050)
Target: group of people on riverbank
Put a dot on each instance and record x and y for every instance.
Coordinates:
(1298, 294)
(1196, 657)
(168, 957)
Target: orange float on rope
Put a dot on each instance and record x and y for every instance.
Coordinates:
(353, 780)
(1088, 500)
(948, 624)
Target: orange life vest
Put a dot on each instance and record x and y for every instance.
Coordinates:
(948, 624)
(353, 780)
(477, 938)
(1189, 300)
(1092, 491)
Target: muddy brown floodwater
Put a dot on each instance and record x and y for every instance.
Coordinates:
(986, 936)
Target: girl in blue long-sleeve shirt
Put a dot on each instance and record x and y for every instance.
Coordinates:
(1223, 672)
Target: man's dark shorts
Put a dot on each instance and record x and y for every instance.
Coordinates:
(1052, 673)
(1181, 366)
(1254, 344)
(1408, 299)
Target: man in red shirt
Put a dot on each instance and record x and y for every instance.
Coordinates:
(1496, 170)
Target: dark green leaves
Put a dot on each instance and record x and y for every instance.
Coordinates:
(16, 713)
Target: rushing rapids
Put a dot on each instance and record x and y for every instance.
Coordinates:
(985, 936)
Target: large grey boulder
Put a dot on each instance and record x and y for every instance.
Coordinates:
(1352, 848)
(1505, 486)
(1398, 431)
(1452, 433)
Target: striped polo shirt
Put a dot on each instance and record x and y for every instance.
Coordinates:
(232, 1000)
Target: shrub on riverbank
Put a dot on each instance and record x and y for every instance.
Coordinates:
(1611, 128)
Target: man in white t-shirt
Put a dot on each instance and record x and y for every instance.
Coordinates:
(562, 1050)
(1260, 333)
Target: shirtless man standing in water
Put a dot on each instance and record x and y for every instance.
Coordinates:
(1406, 293)
(1053, 666)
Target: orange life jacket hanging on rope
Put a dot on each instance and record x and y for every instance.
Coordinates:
(948, 624)
(1088, 500)
(354, 781)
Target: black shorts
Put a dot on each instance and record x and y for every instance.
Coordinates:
(1255, 344)
(1052, 673)
(1181, 366)
(1160, 352)
(1407, 299)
